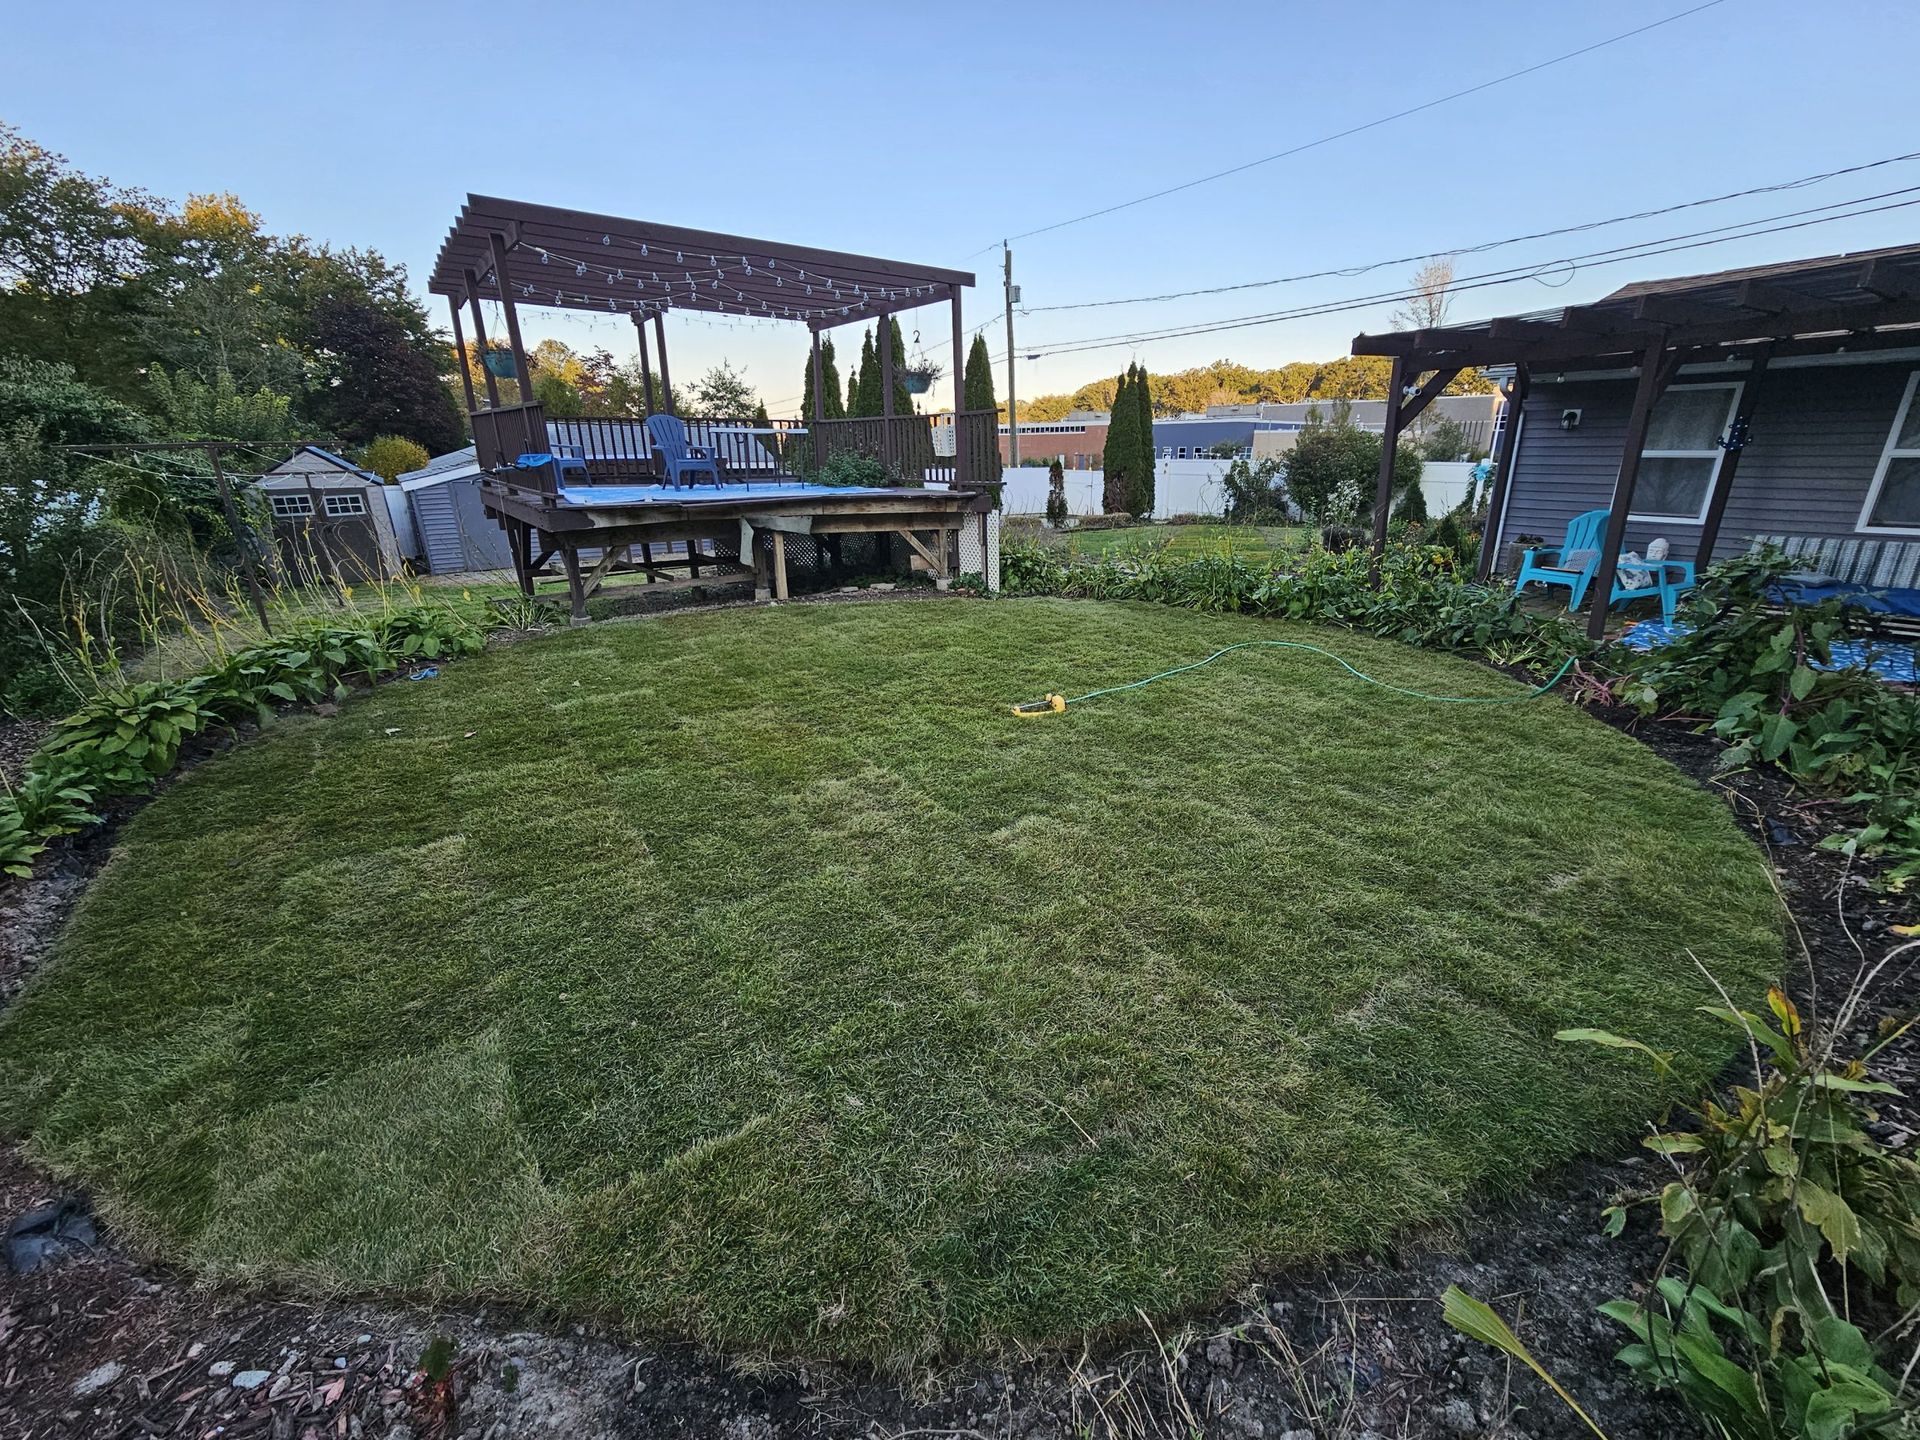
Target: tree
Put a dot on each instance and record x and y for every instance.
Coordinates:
(379, 382)
(1056, 494)
(1334, 466)
(1255, 492)
(869, 400)
(724, 394)
(1426, 307)
(976, 388)
(391, 456)
(1122, 449)
(193, 409)
(1142, 498)
(902, 397)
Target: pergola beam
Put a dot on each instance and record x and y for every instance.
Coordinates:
(1656, 372)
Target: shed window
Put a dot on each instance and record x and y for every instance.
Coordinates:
(1683, 453)
(292, 507)
(1893, 502)
(350, 504)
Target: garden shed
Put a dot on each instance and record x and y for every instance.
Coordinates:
(329, 514)
(455, 531)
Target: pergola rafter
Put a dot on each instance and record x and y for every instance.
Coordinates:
(1755, 315)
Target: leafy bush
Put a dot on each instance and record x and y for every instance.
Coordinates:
(1749, 667)
(127, 737)
(847, 468)
(391, 456)
(1256, 493)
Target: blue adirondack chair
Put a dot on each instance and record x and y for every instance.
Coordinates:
(668, 437)
(1576, 560)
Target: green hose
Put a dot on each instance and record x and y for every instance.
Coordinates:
(1040, 707)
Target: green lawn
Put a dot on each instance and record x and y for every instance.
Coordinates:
(1257, 543)
(756, 976)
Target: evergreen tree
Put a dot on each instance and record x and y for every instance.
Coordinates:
(852, 407)
(836, 406)
(869, 390)
(976, 389)
(902, 397)
(1143, 442)
(1120, 458)
(806, 393)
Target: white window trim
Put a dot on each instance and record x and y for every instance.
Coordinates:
(1890, 452)
(1699, 517)
(298, 506)
(346, 503)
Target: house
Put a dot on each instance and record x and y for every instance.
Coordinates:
(455, 531)
(1772, 402)
(333, 518)
(1077, 440)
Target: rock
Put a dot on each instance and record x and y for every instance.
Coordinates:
(1298, 1435)
(98, 1379)
(220, 1369)
(251, 1379)
(1456, 1417)
(1220, 1353)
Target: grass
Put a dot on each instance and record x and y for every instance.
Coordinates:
(1254, 543)
(755, 976)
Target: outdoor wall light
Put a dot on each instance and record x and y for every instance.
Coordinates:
(1569, 419)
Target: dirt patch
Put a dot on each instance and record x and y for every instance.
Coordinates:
(111, 1345)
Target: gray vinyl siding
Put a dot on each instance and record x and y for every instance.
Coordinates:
(454, 529)
(1817, 437)
(439, 531)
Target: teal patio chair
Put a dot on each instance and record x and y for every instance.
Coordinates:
(667, 434)
(1576, 560)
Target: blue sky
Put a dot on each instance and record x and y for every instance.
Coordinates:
(930, 132)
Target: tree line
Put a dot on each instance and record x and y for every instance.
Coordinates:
(1227, 382)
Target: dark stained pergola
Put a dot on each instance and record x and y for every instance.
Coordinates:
(517, 253)
(1837, 303)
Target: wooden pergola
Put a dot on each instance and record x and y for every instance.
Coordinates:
(517, 253)
(1751, 316)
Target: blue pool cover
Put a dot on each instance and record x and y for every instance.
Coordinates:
(1885, 660)
(693, 494)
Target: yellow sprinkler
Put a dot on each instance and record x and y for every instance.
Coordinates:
(1052, 705)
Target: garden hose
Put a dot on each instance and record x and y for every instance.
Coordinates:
(1055, 704)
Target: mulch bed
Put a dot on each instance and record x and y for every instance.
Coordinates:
(108, 1344)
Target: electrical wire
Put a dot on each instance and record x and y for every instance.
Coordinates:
(1359, 129)
(1595, 260)
(1484, 246)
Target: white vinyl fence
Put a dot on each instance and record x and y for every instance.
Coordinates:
(1193, 487)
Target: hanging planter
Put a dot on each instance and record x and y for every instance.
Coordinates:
(919, 378)
(499, 364)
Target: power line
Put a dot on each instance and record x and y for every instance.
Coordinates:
(1361, 128)
(1596, 260)
(1484, 246)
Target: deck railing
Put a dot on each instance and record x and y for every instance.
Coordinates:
(616, 448)
(914, 451)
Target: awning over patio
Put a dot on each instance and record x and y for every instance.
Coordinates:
(1861, 301)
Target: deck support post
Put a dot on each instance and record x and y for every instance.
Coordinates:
(1516, 395)
(480, 339)
(817, 435)
(666, 377)
(520, 541)
(1655, 372)
(762, 581)
(1735, 445)
(460, 354)
(962, 472)
(646, 367)
(779, 565)
(498, 243)
(889, 452)
(576, 590)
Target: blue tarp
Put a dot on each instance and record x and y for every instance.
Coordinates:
(1886, 660)
(1879, 601)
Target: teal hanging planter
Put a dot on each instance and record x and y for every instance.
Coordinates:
(499, 364)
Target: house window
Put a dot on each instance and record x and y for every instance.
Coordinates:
(1893, 500)
(1683, 454)
(292, 507)
(349, 504)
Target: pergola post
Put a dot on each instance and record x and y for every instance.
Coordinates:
(818, 437)
(460, 353)
(1646, 394)
(646, 367)
(480, 339)
(1736, 446)
(961, 471)
(1389, 451)
(498, 243)
(887, 447)
(1402, 410)
(1515, 392)
(666, 376)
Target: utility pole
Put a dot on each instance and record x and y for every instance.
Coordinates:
(1013, 298)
